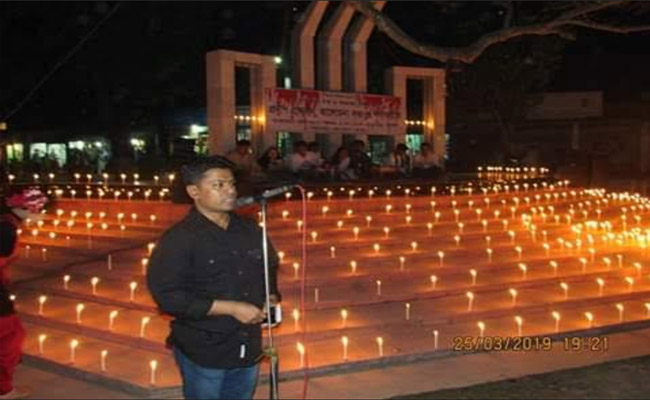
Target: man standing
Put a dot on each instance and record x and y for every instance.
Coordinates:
(207, 271)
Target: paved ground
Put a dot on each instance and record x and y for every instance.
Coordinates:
(627, 379)
(434, 375)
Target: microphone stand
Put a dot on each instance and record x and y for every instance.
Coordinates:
(270, 350)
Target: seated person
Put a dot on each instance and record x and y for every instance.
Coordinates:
(245, 163)
(341, 165)
(270, 161)
(400, 161)
(299, 162)
(426, 164)
(360, 160)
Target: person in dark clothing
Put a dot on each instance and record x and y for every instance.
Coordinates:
(207, 272)
(359, 160)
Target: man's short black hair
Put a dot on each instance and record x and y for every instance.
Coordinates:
(300, 143)
(243, 142)
(193, 171)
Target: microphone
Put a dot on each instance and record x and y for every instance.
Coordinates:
(267, 194)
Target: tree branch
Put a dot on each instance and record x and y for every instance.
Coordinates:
(469, 54)
(607, 27)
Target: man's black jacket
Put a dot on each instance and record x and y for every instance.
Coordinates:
(196, 262)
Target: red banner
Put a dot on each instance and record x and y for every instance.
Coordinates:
(314, 111)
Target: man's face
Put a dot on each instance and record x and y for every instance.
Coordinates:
(215, 192)
(302, 150)
(425, 149)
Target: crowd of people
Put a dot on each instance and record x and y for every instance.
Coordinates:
(348, 163)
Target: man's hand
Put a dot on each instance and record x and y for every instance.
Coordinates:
(245, 313)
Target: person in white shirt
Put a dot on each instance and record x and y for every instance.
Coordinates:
(299, 161)
(246, 165)
(426, 164)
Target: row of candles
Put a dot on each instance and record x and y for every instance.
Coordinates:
(496, 189)
(99, 194)
(101, 178)
(103, 356)
(589, 316)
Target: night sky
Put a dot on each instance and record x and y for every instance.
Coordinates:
(147, 58)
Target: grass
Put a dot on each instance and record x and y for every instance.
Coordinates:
(624, 379)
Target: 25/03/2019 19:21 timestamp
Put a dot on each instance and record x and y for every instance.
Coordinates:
(586, 343)
(526, 343)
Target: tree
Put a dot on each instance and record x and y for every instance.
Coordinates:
(500, 53)
(521, 19)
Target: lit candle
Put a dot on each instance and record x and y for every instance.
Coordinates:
(73, 346)
(143, 325)
(80, 308)
(332, 252)
(344, 341)
(519, 321)
(565, 289)
(356, 232)
(470, 300)
(556, 317)
(414, 246)
(301, 351)
(380, 346)
(553, 265)
(102, 360)
(429, 227)
(41, 341)
(523, 269)
(314, 235)
(111, 319)
(41, 301)
(489, 254)
(44, 254)
(378, 283)
(583, 261)
(376, 247)
(434, 280)
(407, 311)
(386, 231)
(457, 239)
(344, 318)
(621, 310)
(590, 319)
(638, 269)
(513, 296)
(94, 281)
(481, 328)
(435, 339)
(316, 295)
(132, 286)
(630, 282)
(299, 224)
(296, 267)
(153, 364)
(441, 258)
(296, 318)
(353, 267)
(601, 285)
(66, 281)
(143, 263)
(473, 274)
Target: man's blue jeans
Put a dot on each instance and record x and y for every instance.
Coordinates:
(212, 383)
